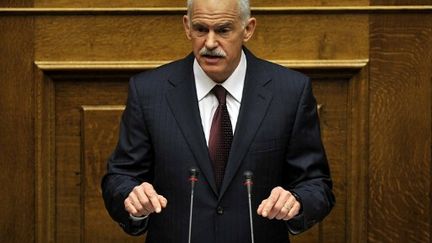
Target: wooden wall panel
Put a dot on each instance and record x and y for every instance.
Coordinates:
(99, 133)
(17, 147)
(182, 3)
(334, 115)
(16, 3)
(400, 128)
(383, 171)
(70, 95)
(104, 38)
(358, 155)
(400, 2)
(314, 37)
(334, 112)
(80, 215)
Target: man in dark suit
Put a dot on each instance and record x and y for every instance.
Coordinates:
(183, 115)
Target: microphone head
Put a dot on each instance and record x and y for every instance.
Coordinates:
(193, 172)
(248, 175)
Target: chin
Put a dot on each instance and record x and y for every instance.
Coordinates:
(213, 71)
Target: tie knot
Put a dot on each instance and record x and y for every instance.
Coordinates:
(220, 93)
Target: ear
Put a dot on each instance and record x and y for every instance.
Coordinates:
(186, 25)
(249, 29)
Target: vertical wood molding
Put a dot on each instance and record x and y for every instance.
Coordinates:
(45, 158)
(358, 152)
(83, 181)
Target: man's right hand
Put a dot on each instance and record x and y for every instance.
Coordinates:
(144, 200)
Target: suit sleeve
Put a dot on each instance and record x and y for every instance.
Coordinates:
(129, 165)
(308, 174)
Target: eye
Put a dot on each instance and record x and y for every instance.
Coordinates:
(223, 30)
(200, 29)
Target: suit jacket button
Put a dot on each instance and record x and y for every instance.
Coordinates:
(220, 210)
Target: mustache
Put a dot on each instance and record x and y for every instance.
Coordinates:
(214, 53)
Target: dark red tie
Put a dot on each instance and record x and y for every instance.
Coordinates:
(221, 135)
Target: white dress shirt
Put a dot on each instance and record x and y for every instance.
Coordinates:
(208, 102)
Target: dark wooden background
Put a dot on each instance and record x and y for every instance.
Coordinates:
(64, 68)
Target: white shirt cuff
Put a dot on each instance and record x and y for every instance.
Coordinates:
(135, 218)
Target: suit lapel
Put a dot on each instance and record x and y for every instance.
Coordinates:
(255, 101)
(183, 102)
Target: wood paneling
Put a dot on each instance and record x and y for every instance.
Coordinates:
(93, 38)
(16, 3)
(182, 3)
(71, 93)
(400, 2)
(314, 37)
(99, 133)
(103, 38)
(334, 113)
(90, 136)
(400, 127)
(17, 177)
(44, 157)
(376, 118)
(358, 155)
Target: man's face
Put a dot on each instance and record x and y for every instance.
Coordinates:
(217, 33)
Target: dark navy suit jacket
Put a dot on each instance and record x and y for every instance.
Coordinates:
(277, 137)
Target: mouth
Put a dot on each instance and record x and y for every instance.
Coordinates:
(212, 56)
(212, 59)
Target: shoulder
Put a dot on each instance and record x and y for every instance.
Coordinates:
(163, 72)
(281, 72)
(276, 71)
(283, 79)
(157, 78)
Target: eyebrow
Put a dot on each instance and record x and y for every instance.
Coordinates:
(198, 24)
(217, 25)
(222, 25)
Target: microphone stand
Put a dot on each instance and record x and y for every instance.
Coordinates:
(248, 183)
(193, 178)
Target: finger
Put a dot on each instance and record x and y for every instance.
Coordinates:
(129, 207)
(260, 207)
(270, 202)
(143, 199)
(294, 211)
(279, 205)
(286, 206)
(282, 213)
(153, 197)
(163, 201)
(139, 207)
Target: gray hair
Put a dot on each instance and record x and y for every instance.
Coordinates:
(244, 8)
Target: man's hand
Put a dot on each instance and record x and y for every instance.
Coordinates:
(281, 204)
(144, 200)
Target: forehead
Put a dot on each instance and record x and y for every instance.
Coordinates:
(213, 11)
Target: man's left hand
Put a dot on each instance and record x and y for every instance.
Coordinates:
(281, 204)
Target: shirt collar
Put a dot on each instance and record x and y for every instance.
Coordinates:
(234, 84)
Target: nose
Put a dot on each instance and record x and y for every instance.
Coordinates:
(211, 41)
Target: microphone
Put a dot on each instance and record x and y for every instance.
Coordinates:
(193, 178)
(248, 183)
